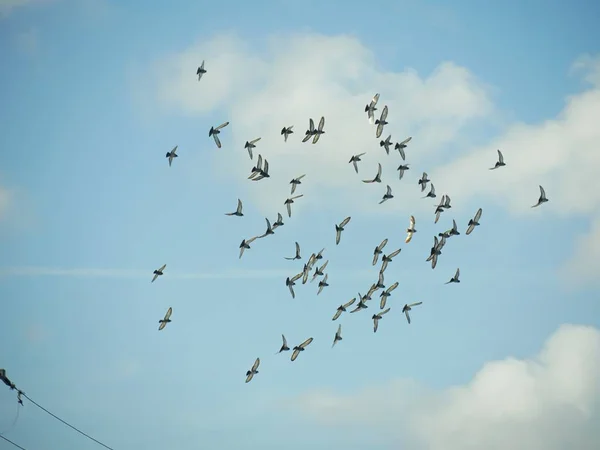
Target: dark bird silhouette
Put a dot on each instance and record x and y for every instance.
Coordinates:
(542, 198)
(163, 322)
(238, 211)
(253, 371)
(158, 272)
(201, 71)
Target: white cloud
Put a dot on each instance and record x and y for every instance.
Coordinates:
(548, 402)
(301, 76)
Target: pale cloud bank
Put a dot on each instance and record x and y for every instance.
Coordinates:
(549, 402)
(298, 76)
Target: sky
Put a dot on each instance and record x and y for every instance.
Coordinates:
(96, 92)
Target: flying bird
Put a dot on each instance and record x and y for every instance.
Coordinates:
(172, 154)
(245, 245)
(408, 308)
(268, 232)
(447, 201)
(377, 317)
(500, 162)
(401, 169)
(253, 371)
(201, 71)
(300, 348)
(454, 279)
(238, 211)
(319, 255)
(400, 146)
(379, 285)
(381, 122)
(439, 209)
(295, 182)
(342, 308)
(385, 294)
(214, 132)
(370, 108)
(319, 271)
(158, 272)
(323, 284)
(386, 144)
(338, 335)
(474, 222)
(297, 256)
(423, 181)
(291, 282)
(361, 304)
(542, 199)
(319, 131)
(257, 169)
(431, 192)
(286, 131)
(386, 259)
(410, 230)
(250, 145)
(379, 250)
(258, 173)
(163, 322)
(377, 178)
(311, 130)
(388, 195)
(278, 222)
(339, 228)
(354, 160)
(284, 346)
(288, 203)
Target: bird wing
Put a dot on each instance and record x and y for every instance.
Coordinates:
(542, 192)
(402, 154)
(384, 312)
(254, 141)
(249, 376)
(350, 303)
(412, 222)
(392, 287)
(284, 340)
(321, 123)
(478, 215)
(345, 222)
(266, 168)
(223, 125)
(256, 364)
(337, 314)
(407, 316)
(295, 354)
(384, 113)
(406, 141)
(378, 170)
(297, 249)
(389, 190)
(168, 313)
(311, 125)
(415, 304)
(239, 206)
(162, 325)
(306, 343)
(409, 236)
(379, 130)
(338, 235)
(500, 157)
(394, 253)
(217, 140)
(457, 274)
(162, 268)
(375, 100)
(470, 229)
(297, 277)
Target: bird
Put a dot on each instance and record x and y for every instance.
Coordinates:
(386, 144)
(454, 229)
(379, 285)
(245, 245)
(257, 169)
(214, 132)
(286, 131)
(338, 335)
(250, 145)
(408, 308)
(268, 232)
(439, 209)
(431, 192)
(474, 222)
(400, 146)
(163, 322)
(319, 271)
(260, 173)
(290, 283)
(385, 259)
(158, 272)
(238, 211)
(288, 203)
(385, 294)
(447, 201)
(300, 348)
(423, 181)
(295, 182)
(319, 255)
(379, 250)
(319, 131)
(253, 371)
(284, 346)
(201, 71)
(388, 195)
(323, 284)
(410, 230)
(500, 162)
(278, 222)
(342, 308)
(377, 178)
(381, 122)
(542, 199)
(297, 256)
(370, 108)
(455, 279)
(355, 159)
(377, 317)
(310, 132)
(401, 169)
(361, 304)
(172, 154)
(339, 228)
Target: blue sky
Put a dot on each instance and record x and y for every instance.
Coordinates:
(95, 93)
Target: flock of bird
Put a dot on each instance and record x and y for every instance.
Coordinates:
(261, 171)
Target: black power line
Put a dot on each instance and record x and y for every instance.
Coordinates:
(67, 424)
(11, 442)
